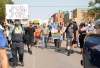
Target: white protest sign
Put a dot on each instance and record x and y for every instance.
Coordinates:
(17, 11)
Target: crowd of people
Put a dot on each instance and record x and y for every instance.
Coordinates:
(14, 36)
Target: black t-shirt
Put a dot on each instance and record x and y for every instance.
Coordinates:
(29, 31)
(82, 34)
(75, 27)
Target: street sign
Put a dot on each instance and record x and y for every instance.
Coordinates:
(17, 11)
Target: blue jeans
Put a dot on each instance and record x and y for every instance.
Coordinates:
(45, 41)
(17, 50)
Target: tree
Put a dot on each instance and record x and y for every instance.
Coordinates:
(2, 8)
(91, 4)
(94, 10)
(97, 1)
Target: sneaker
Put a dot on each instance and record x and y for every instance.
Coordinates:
(82, 62)
(30, 52)
(22, 63)
(68, 54)
(15, 64)
(58, 50)
(72, 51)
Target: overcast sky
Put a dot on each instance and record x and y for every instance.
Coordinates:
(43, 9)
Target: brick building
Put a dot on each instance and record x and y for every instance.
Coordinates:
(82, 15)
(58, 17)
(61, 17)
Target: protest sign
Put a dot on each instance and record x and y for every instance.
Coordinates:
(17, 11)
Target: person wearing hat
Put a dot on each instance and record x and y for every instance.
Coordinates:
(92, 47)
(3, 52)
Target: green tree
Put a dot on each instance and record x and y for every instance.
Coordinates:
(97, 1)
(91, 4)
(94, 10)
(2, 7)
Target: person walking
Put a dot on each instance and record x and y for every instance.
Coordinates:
(29, 36)
(69, 36)
(17, 43)
(3, 52)
(50, 34)
(7, 32)
(38, 33)
(75, 29)
(55, 30)
(90, 28)
(45, 34)
(63, 30)
(82, 34)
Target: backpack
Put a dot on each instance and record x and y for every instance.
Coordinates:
(17, 36)
(18, 30)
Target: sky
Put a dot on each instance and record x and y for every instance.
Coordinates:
(43, 9)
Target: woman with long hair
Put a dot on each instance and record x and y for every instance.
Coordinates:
(82, 34)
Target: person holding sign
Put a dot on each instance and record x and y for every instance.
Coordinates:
(17, 43)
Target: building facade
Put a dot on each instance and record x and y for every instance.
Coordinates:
(82, 15)
(61, 17)
(66, 17)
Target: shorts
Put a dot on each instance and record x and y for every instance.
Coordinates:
(69, 41)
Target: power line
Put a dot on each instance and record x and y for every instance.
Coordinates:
(56, 6)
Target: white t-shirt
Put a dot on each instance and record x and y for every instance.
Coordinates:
(90, 28)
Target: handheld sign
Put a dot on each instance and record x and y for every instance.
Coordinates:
(17, 11)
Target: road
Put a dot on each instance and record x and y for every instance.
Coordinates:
(49, 58)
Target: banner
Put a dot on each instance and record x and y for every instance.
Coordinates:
(17, 11)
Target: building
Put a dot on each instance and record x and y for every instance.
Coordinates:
(82, 15)
(79, 14)
(58, 17)
(66, 17)
(61, 17)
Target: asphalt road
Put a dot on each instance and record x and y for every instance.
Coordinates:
(49, 58)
